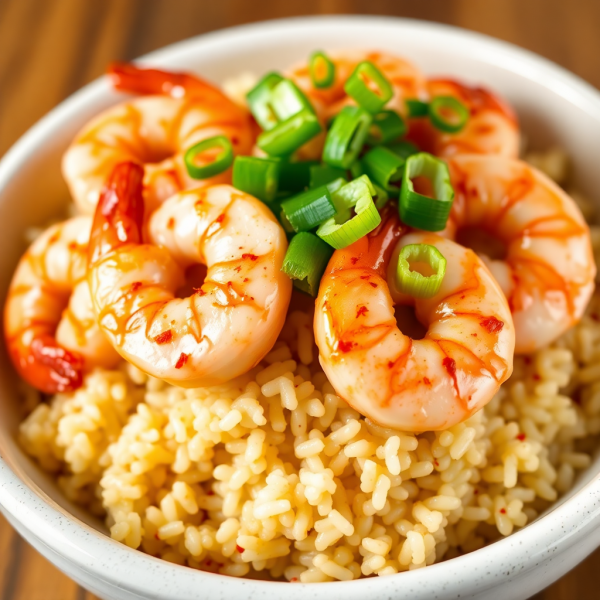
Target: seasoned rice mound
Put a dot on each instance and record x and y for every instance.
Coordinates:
(274, 475)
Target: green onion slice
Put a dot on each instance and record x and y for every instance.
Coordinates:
(308, 209)
(289, 135)
(417, 108)
(346, 137)
(215, 154)
(324, 174)
(420, 211)
(305, 261)
(385, 168)
(322, 70)
(403, 148)
(380, 197)
(448, 114)
(387, 126)
(420, 271)
(369, 87)
(344, 229)
(295, 176)
(259, 101)
(287, 99)
(258, 177)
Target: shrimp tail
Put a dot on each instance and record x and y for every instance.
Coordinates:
(119, 213)
(126, 77)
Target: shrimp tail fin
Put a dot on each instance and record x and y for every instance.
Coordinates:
(126, 77)
(119, 213)
(52, 368)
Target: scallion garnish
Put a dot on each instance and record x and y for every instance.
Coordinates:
(259, 101)
(305, 261)
(344, 229)
(322, 70)
(346, 137)
(420, 270)
(385, 168)
(324, 174)
(214, 154)
(387, 126)
(448, 114)
(287, 100)
(258, 177)
(369, 87)
(403, 148)
(417, 108)
(295, 176)
(289, 135)
(418, 210)
(308, 209)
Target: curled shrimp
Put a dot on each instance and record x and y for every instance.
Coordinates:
(547, 269)
(49, 323)
(492, 127)
(177, 111)
(229, 323)
(404, 383)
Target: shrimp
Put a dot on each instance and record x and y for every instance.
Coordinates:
(492, 127)
(229, 323)
(178, 111)
(399, 382)
(548, 270)
(49, 323)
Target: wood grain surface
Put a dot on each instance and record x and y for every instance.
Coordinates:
(50, 48)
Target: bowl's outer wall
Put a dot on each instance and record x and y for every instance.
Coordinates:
(554, 107)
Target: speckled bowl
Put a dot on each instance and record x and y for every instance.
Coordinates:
(554, 106)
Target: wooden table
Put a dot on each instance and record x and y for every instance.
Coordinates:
(50, 48)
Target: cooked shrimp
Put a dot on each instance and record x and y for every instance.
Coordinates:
(548, 270)
(228, 324)
(49, 323)
(492, 127)
(406, 81)
(155, 130)
(399, 382)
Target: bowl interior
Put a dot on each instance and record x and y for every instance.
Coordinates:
(32, 190)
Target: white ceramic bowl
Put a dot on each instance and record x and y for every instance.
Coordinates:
(554, 106)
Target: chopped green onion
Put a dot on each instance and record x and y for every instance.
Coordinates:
(308, 209)
(346, 137)
(448, 114)
(356, 169)
(305, 261)
(258, 177)
(359, 86)
(417, 108)
(219, 163)
(289, 135)
(417, 210)
(295, 176)
(344, 229)
(322, 70)
(323, 174)
(385, 168)
(380, 197)
(287, 100)
(336, 184)
(420, 270)
(387, 126)
(259, 101)
(403, 148)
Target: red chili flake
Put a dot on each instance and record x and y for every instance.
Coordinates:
(252, 257)
(521, 437)
(364, 276)
(391, 364)
(54, 238)
(239, 548)
(294, 580)
(171, 223)
(208, 562)
(492, 325)
(595, 317)
(164, 337)
(354, 260)
(503, 511)
(450, 365)
(136, 285)
(156, 536)
(527, 360)
(476, 491)
(536, 377)
(238, 269)
(362, 310)
(246, 280)
(181, 360)
(435, 462)
(199, 291)
(372, 284)
(220, 218)
(474, 334)
(73, 246)
(426, 381)
(345, 346)
(234, 140)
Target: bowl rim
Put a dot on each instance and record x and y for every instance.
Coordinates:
(81, 544)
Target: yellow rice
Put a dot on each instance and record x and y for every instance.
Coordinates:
(273, 474)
